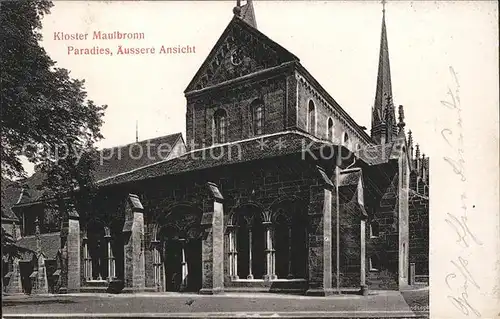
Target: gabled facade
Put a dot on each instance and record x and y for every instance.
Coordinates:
(249, 85)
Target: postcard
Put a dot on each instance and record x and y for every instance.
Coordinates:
(263, 159)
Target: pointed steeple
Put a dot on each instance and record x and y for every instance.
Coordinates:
(245, 12)
(384, 126)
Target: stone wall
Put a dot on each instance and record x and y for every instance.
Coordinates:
(419, 233)
(389, 249)
(236, 103)
(264, 183)
(350, 249)
(385, 247)
(324, 111)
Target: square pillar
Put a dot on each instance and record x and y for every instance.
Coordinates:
(362, 279)
(71, 263)
(320, 237)
(133, 231)
(14, 285)
(213, 243)
(41, 285)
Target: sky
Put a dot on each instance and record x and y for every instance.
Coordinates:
(337, 41)
(434, 47)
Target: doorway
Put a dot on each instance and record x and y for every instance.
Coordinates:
(183, 265)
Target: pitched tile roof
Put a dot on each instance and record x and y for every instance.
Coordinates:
(113, 161)
(376, 154)
(10, 195)
(50, 243)
(349, 177)
(125, 158)
(268, 146)
(32, 188)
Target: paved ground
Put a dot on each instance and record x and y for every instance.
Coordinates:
(390, 304)
(417, 299)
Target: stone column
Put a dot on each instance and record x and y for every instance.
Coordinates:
(184, 268)
(250, 274)
(233, 253)
(133, 231)
(364, 287)
(156, 244)
(87, 261)
(110, 257)
(213, 243)
(70, 237)
(320, 237)
(15, 285)
(41, 283)
(270, 275)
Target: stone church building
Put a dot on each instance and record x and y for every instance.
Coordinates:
(276, 188)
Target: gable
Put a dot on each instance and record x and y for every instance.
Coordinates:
(400, 146)
(241, 50)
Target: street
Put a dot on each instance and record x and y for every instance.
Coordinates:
(389, 304)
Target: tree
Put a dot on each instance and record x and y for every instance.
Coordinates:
(45, 114)
(9, 245)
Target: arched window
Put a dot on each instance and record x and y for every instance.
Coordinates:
(257, 109)
(345, 139)
(219, 127)
(249, 239)
(358, 147)
(329, 130)
(311, 118)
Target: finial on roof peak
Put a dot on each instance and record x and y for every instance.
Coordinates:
(237, 9)
(245, 12)
(401, 123)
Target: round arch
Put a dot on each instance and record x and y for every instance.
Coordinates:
(180, 221)
(289, 221)
(176, 241)
(241, 210)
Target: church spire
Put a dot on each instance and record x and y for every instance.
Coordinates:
(245, 12)
(384, 126)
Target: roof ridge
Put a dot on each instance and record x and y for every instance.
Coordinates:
(313, 138)
(138, 142)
